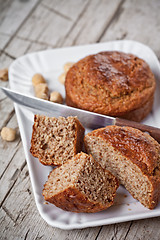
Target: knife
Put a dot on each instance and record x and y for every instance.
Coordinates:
(88, 119)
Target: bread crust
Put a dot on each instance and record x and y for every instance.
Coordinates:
(111, 83)
(72, 198)
(78, 144)
(75, 201)
(139, 148)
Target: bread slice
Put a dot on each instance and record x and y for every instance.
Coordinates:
(55, 140)
(81, 185)
(132, 156)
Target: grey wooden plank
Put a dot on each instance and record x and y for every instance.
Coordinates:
(70, 10)
(5, 62)
(2, 95)
(7, 224)
(12, 172)
(92, 23)
(17, 47)
(12, 15)
(117, 231)
(137, 20)
(49, 26)
(144, 229)
(6, 112)
(20, 46)
(8, 149)
(34, 47)
(4, 38)
(20, 193)
(141, 229)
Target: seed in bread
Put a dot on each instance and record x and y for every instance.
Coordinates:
(81, 185)
(132, 156)
(55, 140)
(111, 83)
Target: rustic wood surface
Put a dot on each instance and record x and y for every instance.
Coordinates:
(32, 25)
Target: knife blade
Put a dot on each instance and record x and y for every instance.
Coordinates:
(88, 119)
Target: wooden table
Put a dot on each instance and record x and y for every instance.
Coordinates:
(33, 25)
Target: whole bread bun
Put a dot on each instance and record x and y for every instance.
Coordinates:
(111, 83)
(132, 156)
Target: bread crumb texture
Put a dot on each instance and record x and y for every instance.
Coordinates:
(132, 156)
(81, 185)
(55, 140)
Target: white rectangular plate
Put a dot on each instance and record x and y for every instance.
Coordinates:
(50, 64)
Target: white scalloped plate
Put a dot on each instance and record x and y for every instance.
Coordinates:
(50, 64)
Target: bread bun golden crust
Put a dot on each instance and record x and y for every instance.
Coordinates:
(132, 156)
(111, 83)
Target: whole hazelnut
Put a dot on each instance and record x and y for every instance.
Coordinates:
(41, 91)
(4, 74)
(56, 97)
(62, 78)
(37, 79)
(67, 66)
(8, 134)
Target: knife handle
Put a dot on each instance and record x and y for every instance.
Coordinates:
(153, 131)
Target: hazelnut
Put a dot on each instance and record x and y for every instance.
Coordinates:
(41, 91)
(62, 78)
(37, 79)
(67, 66)
(4, 74)
(56, 97)
(8, 134)
(42, 95)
